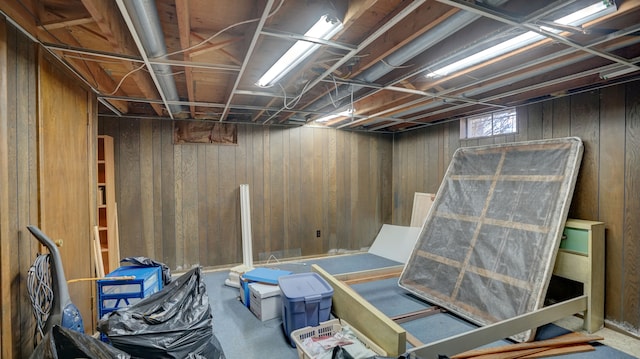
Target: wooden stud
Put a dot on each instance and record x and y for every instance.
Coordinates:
(97, 254)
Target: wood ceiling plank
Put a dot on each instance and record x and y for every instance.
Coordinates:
(21, 15)
(87, 70)
(93, 73)
(353, 23)
(202, 17)
(428, 16)
(356, 9)
(106, 15)
(212, 46)
(66, 23)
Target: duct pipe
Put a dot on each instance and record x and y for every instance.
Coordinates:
(144, 18)
(404, 54)
(521, 74)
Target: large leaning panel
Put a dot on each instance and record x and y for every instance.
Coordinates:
(487, 248)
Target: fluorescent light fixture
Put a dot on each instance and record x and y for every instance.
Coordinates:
(324, 29)
(577, 18)
(346, 113)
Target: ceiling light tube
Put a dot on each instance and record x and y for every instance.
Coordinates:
(346, 113)
(324, 29)
(577, 18)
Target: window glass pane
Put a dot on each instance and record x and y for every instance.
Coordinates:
(492, 124)
(480, 126)
(504, 122)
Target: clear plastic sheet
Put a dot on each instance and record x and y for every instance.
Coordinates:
(175, 322)
(489, 243)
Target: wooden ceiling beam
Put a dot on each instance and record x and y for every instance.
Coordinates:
(88, 70)
(428, 16)
(354, 13)
(21, 16)
(212, 46)
(66, 23)
(93, 73)
(356, 9)
(371, 102)
(106, 15)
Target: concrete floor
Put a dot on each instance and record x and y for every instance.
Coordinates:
(242, 335)
(622, 342)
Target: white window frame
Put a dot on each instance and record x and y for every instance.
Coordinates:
(484, 125)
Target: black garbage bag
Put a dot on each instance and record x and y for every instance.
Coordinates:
(175, 322)
(64, 343)
(148, 262)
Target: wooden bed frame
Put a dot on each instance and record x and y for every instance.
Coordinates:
(583, 263)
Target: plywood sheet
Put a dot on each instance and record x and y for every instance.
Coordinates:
(487, 248)
(421, 205)
(395, 242)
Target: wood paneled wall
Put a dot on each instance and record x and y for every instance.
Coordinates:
(47, 130)
(66, 190)
(180, 204)
(608, 186)
(18, 184)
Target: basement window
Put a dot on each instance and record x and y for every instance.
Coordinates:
(489, 124)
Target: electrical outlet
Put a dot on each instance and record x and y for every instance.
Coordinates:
(318, 233)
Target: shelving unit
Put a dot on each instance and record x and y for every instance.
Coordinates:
(106, 198)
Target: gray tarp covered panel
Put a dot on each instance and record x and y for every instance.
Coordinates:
(489, 243)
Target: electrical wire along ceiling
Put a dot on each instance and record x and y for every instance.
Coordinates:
(364, 65)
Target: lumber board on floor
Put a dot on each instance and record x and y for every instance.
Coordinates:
(402, 318)
(370, 275)
(347, 304)
(542, 352)
(572, 349)
(511, 354)
(563, 340)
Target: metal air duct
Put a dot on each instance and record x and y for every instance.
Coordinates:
(402, 55)
(146, 27)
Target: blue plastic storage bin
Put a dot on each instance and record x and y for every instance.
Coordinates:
(121, 293)
(306, 301)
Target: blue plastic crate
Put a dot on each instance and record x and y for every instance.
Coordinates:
(306, 301)
(121, 293)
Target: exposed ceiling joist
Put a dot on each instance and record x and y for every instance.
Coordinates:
(215, 51)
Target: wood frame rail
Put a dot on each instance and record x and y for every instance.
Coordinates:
(586, 267)
(347, 304)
